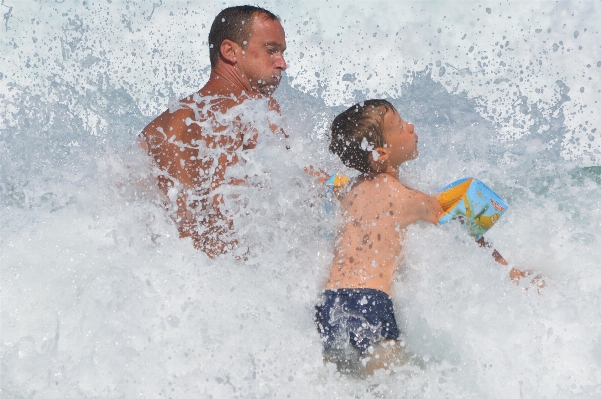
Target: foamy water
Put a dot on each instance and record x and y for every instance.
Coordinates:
(101, 299)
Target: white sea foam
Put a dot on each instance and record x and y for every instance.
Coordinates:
(100, 298)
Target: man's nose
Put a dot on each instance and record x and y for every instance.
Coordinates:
(280, 62)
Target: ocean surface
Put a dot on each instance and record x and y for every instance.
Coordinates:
(101, 299)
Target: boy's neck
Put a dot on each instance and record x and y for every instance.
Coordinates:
(373, 175)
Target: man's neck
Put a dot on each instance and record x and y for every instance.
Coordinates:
(225, 81)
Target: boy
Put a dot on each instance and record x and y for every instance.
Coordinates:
(356, 308)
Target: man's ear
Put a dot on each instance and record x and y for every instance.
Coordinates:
(229, 51)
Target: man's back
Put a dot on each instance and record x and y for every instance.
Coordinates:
(193, 148)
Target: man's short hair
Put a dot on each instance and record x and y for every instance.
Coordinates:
(357, 131)
(233, 23)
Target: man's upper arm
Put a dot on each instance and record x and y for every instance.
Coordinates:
(169, 142)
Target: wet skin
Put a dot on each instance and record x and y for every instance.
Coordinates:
(250, 70)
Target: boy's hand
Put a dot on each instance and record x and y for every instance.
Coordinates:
(514, 274)
(321, 176)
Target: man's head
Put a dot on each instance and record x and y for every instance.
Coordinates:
(369, 131)
(253, 41)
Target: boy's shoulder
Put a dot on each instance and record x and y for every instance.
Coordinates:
(378, 182)
(375, 187)
(369, 196)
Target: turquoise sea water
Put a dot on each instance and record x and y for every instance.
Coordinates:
(101, 299)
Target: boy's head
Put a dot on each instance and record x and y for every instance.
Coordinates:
(365, 131)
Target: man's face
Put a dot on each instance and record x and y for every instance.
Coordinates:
(262, 60)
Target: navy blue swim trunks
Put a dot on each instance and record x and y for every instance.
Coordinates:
(359, 316)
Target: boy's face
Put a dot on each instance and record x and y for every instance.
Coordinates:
(401, 140)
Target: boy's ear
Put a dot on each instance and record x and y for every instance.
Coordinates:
(229, 50)
(382, 154)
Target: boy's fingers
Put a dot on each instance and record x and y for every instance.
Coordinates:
(321, 176)
(516, 275)
(500, 259)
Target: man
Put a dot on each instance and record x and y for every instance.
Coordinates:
(194, 142)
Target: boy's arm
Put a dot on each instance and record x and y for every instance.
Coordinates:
(495, 254)
(514, 274)
(481, 241)
(430, 209)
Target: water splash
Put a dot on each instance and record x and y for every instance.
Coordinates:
(100, 298)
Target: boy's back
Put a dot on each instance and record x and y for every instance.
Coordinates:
(375, 213)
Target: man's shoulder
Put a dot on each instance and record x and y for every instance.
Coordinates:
(209, 104)
(194, 107)
(170, 119)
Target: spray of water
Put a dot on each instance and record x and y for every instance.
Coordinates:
(102, 299)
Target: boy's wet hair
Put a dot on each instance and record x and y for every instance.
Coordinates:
(233, 23)
(357, 131)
